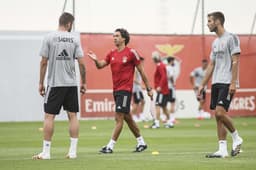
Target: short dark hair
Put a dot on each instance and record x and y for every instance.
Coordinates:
(66, 18)
(218, 15)
(204, 61)
(170, 59)
(124, 33)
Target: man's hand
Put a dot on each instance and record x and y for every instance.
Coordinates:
(232, 88)
(150, 94)
(41, 90)
(82, 89)
(92, 55)
(199, 95)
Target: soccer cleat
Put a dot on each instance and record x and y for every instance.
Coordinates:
(155, 126)
(41, 156)
(236, 147)
(167, 125)
(71, 156)
(140, 148)
(106, 150)
(217, 154)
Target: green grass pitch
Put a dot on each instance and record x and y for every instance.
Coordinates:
(181, 148)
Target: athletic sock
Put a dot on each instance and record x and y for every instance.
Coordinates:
(140, 141)
(234, 135)
(46, 147)
(73, 145)
(172, 117)
(111, 144)
(157, 122)
(223, 146)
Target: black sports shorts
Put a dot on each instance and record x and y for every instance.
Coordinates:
(161, 99)
(220, 96)
(122, 100)
(56, 97)
(138, 97)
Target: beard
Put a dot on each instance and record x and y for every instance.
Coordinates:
(214, 29)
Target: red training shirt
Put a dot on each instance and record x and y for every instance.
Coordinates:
(160, 78)
(122, 66)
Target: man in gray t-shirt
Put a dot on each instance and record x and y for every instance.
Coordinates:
(223, 66)
(196, 77)
(59, 51)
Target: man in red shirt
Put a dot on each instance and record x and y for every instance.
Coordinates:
(161, 86)
(123, 61)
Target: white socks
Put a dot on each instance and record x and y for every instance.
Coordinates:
(140, 141)
(73, 146)
(111, 144)
(223, 146)
(234, 135)
(46, 147)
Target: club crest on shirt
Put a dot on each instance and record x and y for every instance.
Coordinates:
(124, 59)
(112, 58)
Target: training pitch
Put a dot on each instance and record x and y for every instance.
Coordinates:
(181, 148)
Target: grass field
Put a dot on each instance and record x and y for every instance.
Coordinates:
(181, 148)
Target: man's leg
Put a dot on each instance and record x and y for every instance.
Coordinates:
(119, 118)
(141, 146)
(48, 132)
(227, 122)
(74, 134)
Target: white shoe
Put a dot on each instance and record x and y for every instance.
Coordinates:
(206, 115)
(236, 147)
(217, 154)
(41, 156)
(71, 156)
(155, 126)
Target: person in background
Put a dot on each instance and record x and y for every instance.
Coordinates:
(138, 97)
(196, 77)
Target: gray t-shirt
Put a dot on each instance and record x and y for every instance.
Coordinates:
(222, 50)
(198, 74)
(61, 48)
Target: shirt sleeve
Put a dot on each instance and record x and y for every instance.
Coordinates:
(78, 49)
(108, 57)
(234, 44)
(44, 51)
(212, 54)
(136, 57)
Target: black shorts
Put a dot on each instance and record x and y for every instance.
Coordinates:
(56, 97)
(161, 99)
(138, 97)
(220, 96)
(122, 101)
(172, 95)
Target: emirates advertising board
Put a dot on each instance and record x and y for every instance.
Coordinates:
(188, 51)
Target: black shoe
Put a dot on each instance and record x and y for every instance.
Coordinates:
(141, 148)
(106, 150)
(236, 151)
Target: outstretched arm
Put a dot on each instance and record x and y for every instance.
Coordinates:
(99, 64)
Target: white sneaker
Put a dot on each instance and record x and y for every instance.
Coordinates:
(41, 156)
(217, 154)
(71, 156)
(206, 115)
(236, 147)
